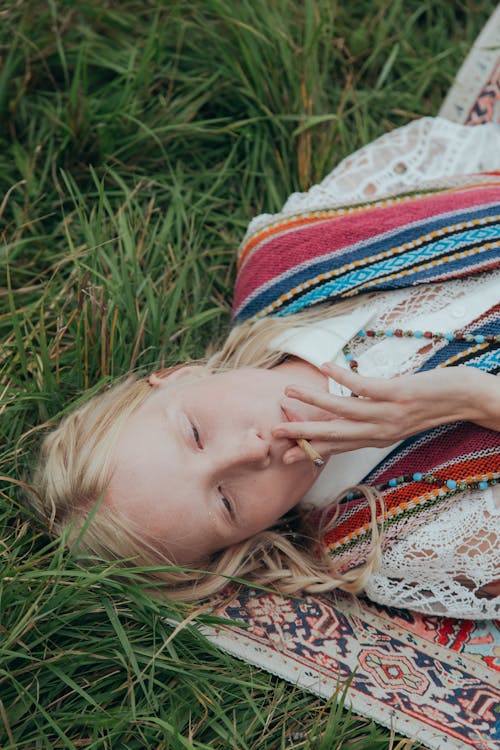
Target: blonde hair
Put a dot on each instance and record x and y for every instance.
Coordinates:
(74, 470)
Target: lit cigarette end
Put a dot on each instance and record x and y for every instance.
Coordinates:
(313, 455)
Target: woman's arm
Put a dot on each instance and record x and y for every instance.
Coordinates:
(390, 410)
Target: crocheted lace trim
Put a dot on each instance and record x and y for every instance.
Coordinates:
(441, 568)
(422, 152)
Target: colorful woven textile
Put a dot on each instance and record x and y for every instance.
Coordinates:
(456, 451)
(304, 260)
(432, 679)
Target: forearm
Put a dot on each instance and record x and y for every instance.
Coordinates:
(484, 399)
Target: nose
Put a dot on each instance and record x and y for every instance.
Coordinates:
(250, 448)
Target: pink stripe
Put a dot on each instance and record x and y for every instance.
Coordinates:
(286, 251)
(462, 440)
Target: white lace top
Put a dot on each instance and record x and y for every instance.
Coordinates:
(421, 152)
(439, 568)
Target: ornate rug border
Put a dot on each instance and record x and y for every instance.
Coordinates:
(474, 72)
(257, 648)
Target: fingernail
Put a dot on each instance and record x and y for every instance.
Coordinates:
(284, 410)
(279, 433)
(291, 459)
(290, 414)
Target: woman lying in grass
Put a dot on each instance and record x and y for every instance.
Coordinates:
(389, 271)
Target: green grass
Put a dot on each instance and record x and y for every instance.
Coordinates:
(136, 141)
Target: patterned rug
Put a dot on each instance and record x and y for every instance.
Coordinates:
(435, 680)
(475, 95)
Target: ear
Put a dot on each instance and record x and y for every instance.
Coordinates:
(171, 374)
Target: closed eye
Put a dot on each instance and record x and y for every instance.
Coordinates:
(196, 436)
(226, 502)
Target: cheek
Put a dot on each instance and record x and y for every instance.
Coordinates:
(303, 474)
(291, 486)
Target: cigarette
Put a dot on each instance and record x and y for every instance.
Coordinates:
(312, 454)
(306, 446)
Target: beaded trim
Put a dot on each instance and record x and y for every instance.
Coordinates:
(450, 486)
(469, 338)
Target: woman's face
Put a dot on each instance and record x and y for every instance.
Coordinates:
(196, 466)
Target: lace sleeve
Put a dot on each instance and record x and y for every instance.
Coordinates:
(448, 567)
(424, 151)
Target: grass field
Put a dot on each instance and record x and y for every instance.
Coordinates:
(136, 141)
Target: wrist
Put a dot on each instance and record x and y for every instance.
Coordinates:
(484, 398)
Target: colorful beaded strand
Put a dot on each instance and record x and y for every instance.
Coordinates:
(449, 336)
(449, 486)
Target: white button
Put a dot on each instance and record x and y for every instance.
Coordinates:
(380, 359)
(458, 312)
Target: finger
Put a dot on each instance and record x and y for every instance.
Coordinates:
(376, 388)
(327, 449)
(330, 432)
(345, 409)
(339, 406)
(294, 455)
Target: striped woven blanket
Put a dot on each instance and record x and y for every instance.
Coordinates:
(436, 235)
(414, 238)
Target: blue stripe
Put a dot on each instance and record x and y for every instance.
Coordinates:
(333, 289)
(484, 359)
(373, 246)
